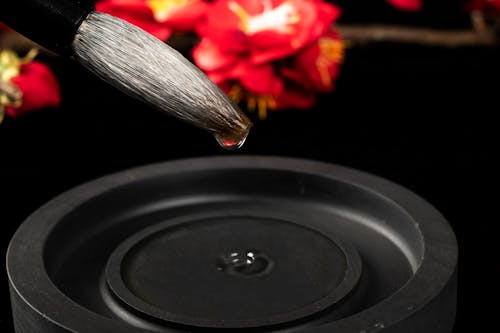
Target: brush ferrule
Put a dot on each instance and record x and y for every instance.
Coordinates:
(50, 23)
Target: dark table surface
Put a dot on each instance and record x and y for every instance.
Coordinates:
(421, 117)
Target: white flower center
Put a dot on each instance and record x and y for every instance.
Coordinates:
(279, 19)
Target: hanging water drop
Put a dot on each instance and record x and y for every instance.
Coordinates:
(232, 140)
(230, 144)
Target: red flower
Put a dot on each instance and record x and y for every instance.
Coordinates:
(314, 69)
(407, 5)
(490, 6)
(267, 29)
(292, 82)
(325, 54)
(158, 17)
(39, 88)
(274, 54)
(28, 86)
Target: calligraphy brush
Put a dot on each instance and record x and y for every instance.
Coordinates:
(131, 60)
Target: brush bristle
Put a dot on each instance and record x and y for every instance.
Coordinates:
(148, 69)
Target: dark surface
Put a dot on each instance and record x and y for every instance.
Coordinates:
(422, 117)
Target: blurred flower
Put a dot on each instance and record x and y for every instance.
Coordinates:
(25, 85)
(407, 5)
(158, 17)
(315, 66)
(266, 29)
(488, 6)
(274, 54)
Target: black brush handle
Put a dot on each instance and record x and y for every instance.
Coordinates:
(50, 23)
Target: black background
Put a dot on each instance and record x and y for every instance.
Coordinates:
(420, 116)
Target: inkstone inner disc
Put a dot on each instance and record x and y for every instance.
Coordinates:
(220, 272)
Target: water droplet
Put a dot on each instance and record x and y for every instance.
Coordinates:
(232, 140)
(230, 144)
(379, 325)
(248, 263)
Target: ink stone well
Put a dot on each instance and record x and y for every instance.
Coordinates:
(259, 244)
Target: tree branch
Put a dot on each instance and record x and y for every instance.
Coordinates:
(13, 40)
(364, 34)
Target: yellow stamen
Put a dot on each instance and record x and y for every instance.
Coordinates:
(322, 67)
(271, 103)
(331, 52)
(10, 63)
(251, 103)
(332, 49)
(242, 14)
(236, 93)
(262, 101)
(30, 56)
(163, 8)
(10, 95)
(10, 67)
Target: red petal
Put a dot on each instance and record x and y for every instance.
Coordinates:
(220, 78)
(208, 56)
(484, 5)
(269, 45)
(407, 5)
(296, 76)
(254, 7)
(187, 17)
(259, 79)
(295, 99)
(137, 13)
(222, 27)
(312, 67)
(328, 11)
(316, 18)
(39, 87)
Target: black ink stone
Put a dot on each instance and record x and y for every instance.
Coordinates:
(258, 244)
